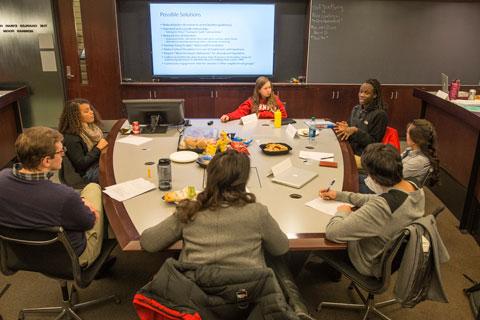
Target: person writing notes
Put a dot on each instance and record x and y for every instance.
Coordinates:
(368, 120)
(378, 217)
(263, 102)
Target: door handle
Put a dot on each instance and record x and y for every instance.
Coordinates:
(396, 95)
(69, 73)
(338, 94)
(155, 94)
(391, 95)
(333, 94)
(150, 93)
(216, 94)
(211, 94)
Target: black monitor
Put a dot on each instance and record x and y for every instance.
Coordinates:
(156, 114)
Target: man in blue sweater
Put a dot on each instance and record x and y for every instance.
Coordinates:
(30, 200)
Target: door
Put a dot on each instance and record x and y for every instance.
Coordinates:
(89, 49)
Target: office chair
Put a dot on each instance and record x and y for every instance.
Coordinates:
(391, 259)
(48, 251)
(427, 178)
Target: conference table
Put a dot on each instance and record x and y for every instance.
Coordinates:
(304, 225)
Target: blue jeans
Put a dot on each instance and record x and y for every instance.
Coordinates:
(92, 174)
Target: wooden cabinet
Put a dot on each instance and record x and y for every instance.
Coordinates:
(201, 101)
(335, 101)
(298, 100)
(403, 107)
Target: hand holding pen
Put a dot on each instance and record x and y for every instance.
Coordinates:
(328, 194)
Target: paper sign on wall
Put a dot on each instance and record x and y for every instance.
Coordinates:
(49, 63)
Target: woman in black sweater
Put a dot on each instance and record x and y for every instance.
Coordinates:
(82, 137)
(368, 120)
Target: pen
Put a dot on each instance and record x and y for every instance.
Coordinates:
(326, 158)
(331, 184)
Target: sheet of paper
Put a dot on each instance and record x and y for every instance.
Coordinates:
(45, 41)
(135, 140)
(282, 166)
(317, 156)
(129, 189)
(49, 63)
(291, 131)
(251, 118)
(325, 206)
(442, 94)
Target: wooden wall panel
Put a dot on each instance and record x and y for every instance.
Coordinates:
(103, 62)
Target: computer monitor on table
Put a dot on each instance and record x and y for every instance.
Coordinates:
(155, 115)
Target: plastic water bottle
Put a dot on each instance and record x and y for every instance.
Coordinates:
(164, 174)
(312, 131)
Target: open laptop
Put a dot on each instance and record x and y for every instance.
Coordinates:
(294, 177)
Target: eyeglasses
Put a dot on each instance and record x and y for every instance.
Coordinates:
(62, 152)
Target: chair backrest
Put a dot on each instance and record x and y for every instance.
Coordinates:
(427, 177)
(392, 256)
(45, 250)
(69, 176)
(391, 137)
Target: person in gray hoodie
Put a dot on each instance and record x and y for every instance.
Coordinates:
(378, 217)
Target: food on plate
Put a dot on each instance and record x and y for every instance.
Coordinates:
(239, 147)
(275, 147)
(188, 192)
(196, 143)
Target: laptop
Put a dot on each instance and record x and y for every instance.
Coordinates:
(294, 177)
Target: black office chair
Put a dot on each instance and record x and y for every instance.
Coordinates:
(426, 179)
(48, 251)
(390, 262)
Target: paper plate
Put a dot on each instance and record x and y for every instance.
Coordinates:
(184, 156)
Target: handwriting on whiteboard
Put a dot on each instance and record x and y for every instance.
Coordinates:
(326, 17)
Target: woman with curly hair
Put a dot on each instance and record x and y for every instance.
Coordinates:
(420, 157)
(83, 138)
(263, 102)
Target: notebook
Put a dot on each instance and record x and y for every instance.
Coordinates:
(285, 173)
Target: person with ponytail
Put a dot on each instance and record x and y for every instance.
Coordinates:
(263, 102)
(368, 120)
(420, 157)
(225, 225)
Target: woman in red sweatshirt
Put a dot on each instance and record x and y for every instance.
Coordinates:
(263, 102)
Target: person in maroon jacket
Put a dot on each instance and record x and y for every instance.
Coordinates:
(263, 102)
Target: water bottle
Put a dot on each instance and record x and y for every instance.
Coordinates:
(312, 130)
(454, 88)
(164, 174)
